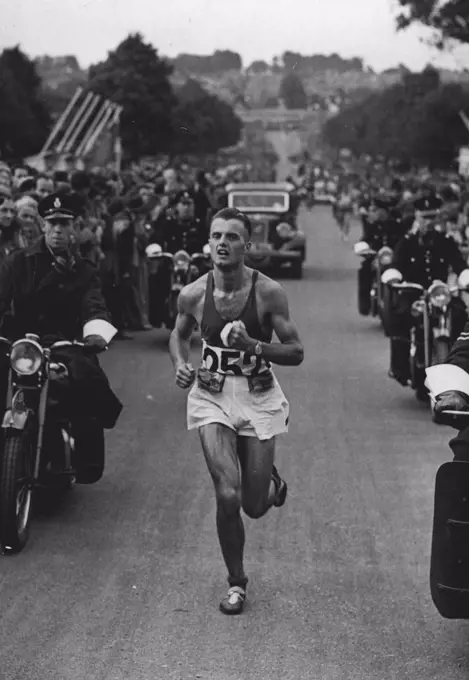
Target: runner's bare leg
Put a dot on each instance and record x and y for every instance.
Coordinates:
(258, 490)
(219, 447)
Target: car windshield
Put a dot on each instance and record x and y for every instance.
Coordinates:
(258, 200)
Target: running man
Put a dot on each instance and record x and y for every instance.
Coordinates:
(236, 402)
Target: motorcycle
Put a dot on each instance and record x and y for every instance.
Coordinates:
(379, 261)
(27, 428)
(431, 332)
(183, 269)
(449, 576)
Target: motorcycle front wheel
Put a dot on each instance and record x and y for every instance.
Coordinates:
(16, 490)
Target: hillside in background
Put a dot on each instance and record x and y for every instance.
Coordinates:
(256, 89)
(257, 86)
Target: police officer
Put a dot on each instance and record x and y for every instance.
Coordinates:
(174, 230)
(384, 227)
(449, 384)
(50, 290)
(179, 229)
(421, 256)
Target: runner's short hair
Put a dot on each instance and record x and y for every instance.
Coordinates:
(234, 214)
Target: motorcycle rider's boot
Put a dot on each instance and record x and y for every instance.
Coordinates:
(364, 302)
(88, 457)
(364, 289)
(399, 370)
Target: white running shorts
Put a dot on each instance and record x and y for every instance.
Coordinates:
(263, 415)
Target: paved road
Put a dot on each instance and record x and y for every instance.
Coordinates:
(124, 582)
(286, 144)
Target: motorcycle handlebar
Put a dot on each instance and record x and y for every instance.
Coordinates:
(450, 412)
(457, 419)
(87, 349)
(416, 286)
(409, 286)
(67, 343)
(367, 253)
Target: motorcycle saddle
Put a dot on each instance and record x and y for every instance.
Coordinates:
(449, 562)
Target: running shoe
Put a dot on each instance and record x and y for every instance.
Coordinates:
(234, 601)
(281, 488)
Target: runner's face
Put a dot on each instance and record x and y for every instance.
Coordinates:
(229, 241)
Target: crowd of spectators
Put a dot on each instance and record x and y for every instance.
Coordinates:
(117, 214)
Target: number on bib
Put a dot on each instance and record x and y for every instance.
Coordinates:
(226, 367)
(209, 353)
(228, 361)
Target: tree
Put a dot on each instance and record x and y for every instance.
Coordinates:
(320, 62)
(202, 122)
(258, 66)
(276, 67)
(218, 62)
(60, 78)
(292, 92)
(414, 121)
(419, 84)
(135, 77)
(449, 19)
(24, 118)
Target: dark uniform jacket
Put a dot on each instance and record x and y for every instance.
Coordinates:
(386, 233)
(459, 354)
(423, 264)
(173, 234)
(46, 300)
(37, 296)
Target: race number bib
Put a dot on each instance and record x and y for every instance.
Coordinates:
(233, 361)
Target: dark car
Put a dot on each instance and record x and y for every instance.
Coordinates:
(276, 240)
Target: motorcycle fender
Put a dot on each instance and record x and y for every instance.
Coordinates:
(449, 562)
(15, 419)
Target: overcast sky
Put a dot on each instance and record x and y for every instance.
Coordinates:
(257, 29)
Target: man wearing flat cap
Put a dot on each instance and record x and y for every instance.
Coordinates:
(423, 256)
(56, 294)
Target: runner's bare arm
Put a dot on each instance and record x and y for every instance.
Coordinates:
(289, 351)
(179, 341)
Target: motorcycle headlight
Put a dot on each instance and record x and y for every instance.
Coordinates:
(439, 295)
(26, 357)
(285, 230)
(182, 260)
(418, 307)
(385, 257)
